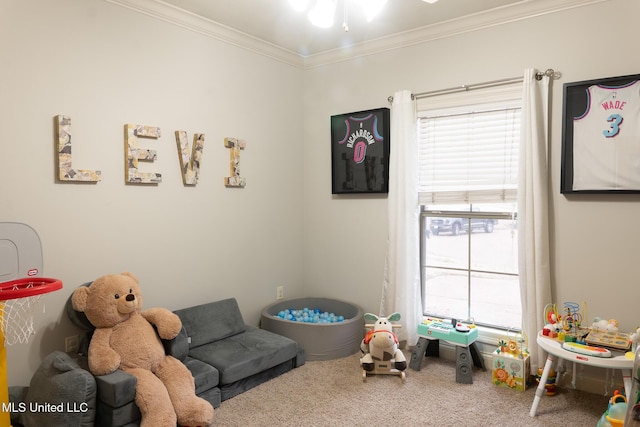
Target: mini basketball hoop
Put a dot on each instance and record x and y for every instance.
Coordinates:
(17, 300)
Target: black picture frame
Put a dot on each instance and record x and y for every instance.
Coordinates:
(589, 153)
(360, 152)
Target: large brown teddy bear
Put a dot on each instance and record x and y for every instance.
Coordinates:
(125, 339)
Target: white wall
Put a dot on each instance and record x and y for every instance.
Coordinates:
(105, 66)
(594, 238)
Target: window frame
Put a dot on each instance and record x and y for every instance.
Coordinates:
(425, 214)
(504, 97)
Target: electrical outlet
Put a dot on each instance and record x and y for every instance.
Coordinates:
(280, 292)
(72, 344)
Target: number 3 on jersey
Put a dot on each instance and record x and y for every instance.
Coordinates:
(614, 126)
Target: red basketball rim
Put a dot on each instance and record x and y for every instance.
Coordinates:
(28, 287)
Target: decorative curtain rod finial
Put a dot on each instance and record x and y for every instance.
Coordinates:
(549, 72)
(390, 98)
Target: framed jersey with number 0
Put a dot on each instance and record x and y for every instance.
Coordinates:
(601, 136)
(360, 152)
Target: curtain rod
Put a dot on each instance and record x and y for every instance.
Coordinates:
(464, 88)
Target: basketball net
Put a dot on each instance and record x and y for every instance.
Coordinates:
(16, 319)
(16, 326)
(17, 301)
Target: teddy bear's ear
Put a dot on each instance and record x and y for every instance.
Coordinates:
(126, 273)
(79, 298)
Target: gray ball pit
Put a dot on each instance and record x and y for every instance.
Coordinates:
(321, 341)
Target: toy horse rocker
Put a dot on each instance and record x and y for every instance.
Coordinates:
(380, 352)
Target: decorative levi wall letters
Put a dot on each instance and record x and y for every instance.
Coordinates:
(189, 156)
(235, 145)
(133, 154)
(65, 171)
(190, 159)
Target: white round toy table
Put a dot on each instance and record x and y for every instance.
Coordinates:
(554, 350)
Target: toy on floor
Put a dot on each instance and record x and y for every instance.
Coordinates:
(380, 351)
(615, 413)
(125, 339)
(550, 387)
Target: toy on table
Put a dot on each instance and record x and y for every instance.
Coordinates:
(125, 339)
(605, 333)
(568, 327)
(610, 325)
(380, 351)
(634, 337)
(551, 321)
(572, 320)
(588, 350)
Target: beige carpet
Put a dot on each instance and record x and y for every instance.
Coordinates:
(332, 393)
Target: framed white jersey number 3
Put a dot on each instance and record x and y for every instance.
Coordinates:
(601, 136)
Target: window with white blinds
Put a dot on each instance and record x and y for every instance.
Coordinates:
(469, 154)
(468, 157)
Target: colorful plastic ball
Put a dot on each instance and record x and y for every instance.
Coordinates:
(308, 315)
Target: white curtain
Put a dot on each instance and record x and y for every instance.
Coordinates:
(401, 287)
(533, 211)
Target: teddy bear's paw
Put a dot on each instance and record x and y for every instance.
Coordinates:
(194, 424)
(158, 418)
(198, 413)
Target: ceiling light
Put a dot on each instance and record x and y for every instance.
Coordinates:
(322, 13)
(430, 1)
(372, 7)
(299, 5)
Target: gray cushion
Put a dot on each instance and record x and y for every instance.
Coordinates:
(212, 396)
(205, 376)
(17, 396)
(211, 322)
(78, 318)
(127, 415)
(117, 388)
(60, 382)
(179, 346)
(243, 355)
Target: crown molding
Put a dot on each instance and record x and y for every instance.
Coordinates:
(523, 10)
(165, 12)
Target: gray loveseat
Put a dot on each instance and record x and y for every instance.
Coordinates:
(225, 356)
(244, 356)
